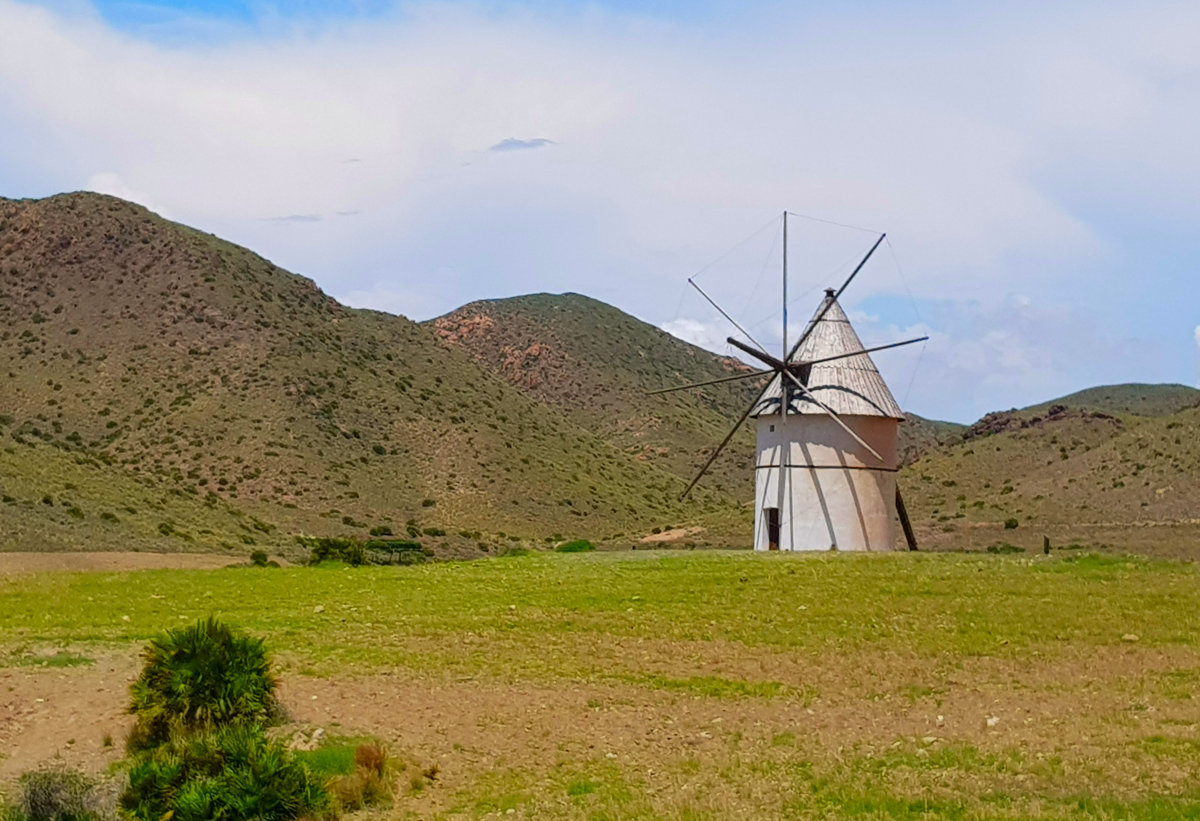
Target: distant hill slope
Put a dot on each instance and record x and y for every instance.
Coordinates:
(598, 364)
(171, 356)
(919, 435)
(1071, 473)
(1134, 398)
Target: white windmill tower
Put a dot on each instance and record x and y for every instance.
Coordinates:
(825, 474)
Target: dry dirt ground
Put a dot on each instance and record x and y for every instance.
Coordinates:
(114, 562)
(1078, 709)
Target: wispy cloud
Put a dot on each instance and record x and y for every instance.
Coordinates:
(295, 218)
(707, 335)
(513, 144)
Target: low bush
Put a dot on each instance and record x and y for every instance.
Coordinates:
(234, 773)
(370, 782)
(576, 546)
(349, 551)
(1011, 524)
(198, 678)
(355, 552)
(60, 794)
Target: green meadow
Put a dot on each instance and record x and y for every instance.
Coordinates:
(704, 684)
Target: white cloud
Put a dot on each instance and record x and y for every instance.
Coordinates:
(708, 335)
(109, 183)
(381, 296)
(1196, 333)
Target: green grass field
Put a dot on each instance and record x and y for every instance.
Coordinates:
(709, 685)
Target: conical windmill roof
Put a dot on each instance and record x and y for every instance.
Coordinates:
(850, 386)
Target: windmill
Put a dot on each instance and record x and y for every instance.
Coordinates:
(827, 425)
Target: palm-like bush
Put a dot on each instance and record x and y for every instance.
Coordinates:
(232, 774)
(198, 678)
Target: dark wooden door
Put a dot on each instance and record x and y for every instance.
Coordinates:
(772, 528)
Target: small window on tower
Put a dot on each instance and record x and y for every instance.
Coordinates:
(772, 428)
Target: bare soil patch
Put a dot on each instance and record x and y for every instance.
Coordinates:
(673, 535)
(115, 562)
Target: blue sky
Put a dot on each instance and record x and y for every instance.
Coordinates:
(1035, 167)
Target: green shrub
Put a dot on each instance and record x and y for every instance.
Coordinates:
(1011, 524)
(197, 678)
(60, 794)
(389, 551)
(354, 552)
(349, 551)
(577, 546)
(234, 773)
(259, 558)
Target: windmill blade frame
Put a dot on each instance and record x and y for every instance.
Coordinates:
(709, 382)
(721, 310)
(833, 415)
(764, 357)
(860, 353)
(725, 441)
(821, 314)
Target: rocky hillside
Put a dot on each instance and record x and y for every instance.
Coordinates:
(1084, 475)
(163, 389)
(182, 361)
(598, 365)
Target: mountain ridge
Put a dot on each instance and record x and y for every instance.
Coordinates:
(169, 390)
(169, 353)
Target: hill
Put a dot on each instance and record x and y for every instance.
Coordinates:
(598, 364)
(168, 390)
(1133, 398)
(161, 355)
(919, 436)
(1072, 475)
